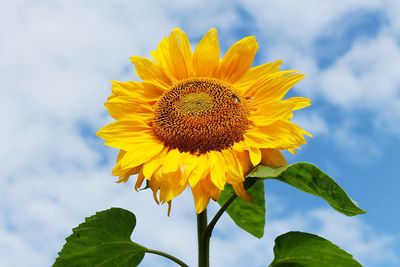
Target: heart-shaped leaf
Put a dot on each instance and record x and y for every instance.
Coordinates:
(308, 250)
(103, 240)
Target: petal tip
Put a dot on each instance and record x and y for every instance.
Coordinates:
(213, 30)
(176, 29)
(134, 59)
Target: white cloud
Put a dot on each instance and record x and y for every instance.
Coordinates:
(313, 123)
(301, 22)
(366, 77)
(357, 237)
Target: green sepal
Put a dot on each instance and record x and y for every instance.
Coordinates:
(103, 240)
(298, 249)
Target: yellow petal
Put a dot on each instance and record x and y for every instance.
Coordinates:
(117, 167)
(201, 199)
(127, 134)
(273, 158)
(238, 59)
(268, 83)
(154, 186)
(175, 56)
(146, 91)
(150, 167)
(281, 134)
(120, 106)
(239, 146)
(200, 171)
(150, 72)
(298, 102)
(233, 171)
(128, 141)
(256, 73)
(271, 112)
(179, 65)
(141, 154)
(125, 125)
(189, 163)
(255, 155)
(217, 169)
(171, 188)
(179, 44)
(162, 57)
(123, 179)
(253, 138)
(209, 188)
(171, 162)
(124, 174)
(243, 162)
(206, 55)
(139, 181)
(241, 192)
(165, 192)
(272, 90)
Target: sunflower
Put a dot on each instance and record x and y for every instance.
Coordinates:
(199, 121)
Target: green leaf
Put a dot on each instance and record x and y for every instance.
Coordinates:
(307, 250)
(103, 240)
(250, 216)
(310, 179)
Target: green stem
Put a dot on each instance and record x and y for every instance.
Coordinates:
(203, 241)
(210, 227)
(208, 232)
(204, 231)
(168, 256)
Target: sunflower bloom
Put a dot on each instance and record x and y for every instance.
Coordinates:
(201, 121)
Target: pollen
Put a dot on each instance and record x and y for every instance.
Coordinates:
(196, 103)
(200, 115)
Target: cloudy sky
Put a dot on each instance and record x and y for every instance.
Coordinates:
(56, 61)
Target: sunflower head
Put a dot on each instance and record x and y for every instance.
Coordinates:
(199, 115)
(199, 121)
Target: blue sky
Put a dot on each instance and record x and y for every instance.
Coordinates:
(57, 58)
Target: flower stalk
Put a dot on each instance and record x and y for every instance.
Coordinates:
(168, 256)
(203, 240)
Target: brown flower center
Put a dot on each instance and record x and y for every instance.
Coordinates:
(200, 114)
